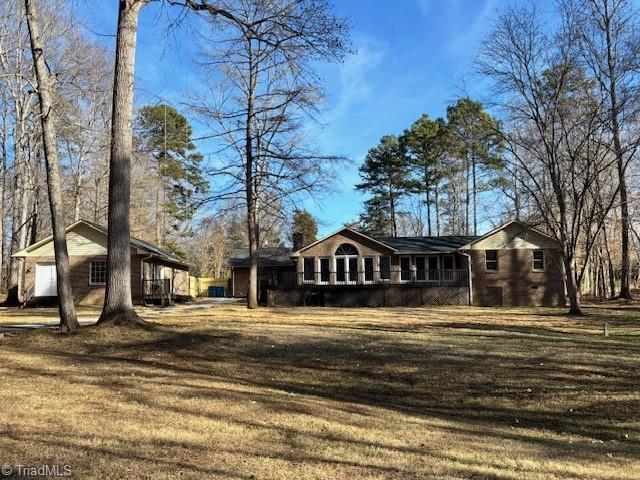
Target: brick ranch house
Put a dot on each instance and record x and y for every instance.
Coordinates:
(515, 264)
(156, 275)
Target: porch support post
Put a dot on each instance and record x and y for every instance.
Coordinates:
(469, 279)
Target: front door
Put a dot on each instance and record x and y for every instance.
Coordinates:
(46, 281)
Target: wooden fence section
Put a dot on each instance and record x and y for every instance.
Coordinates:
(199, 286)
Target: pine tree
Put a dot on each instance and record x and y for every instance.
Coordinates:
(425, 143)
(305, 228)
(475, 142)
(385, 175)
(166, 134)
(375, 219)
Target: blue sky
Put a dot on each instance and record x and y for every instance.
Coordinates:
(411, 57)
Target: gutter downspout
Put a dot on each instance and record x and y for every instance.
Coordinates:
(470, 279)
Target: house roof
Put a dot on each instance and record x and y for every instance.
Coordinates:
(413, 245)
(342, 229)
(281, 257)
(525, 227)
(140, 245)
(267, 257)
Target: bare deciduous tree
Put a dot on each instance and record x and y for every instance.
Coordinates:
(118, 306)
(68, 319)
(258, 56)
(557, 141)
(609, 34)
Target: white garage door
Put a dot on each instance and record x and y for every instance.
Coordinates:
(46, 283)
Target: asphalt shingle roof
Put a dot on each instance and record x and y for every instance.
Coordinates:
(267, 257)
(442, 244)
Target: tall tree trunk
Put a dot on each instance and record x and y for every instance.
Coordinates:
(68, 319)
(467, 199)
(3, 178)
(428, 205)
(427, 190)
(394, 224)
(573, 290)
(158, 218)
(475, 196)
(516, 197)
(612, 75)
(118, 305)
(20, 217)
(77, 195)
(251, 192)
(437, 205)
(612, 278)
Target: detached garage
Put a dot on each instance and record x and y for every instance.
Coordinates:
(156, 274)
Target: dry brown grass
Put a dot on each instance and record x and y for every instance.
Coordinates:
(304, 393)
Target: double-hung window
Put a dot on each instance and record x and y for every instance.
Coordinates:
(98, 273)
(491, 260)
(538, 260)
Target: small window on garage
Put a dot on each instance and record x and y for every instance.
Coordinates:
(491, 260)
(98, 273)
(538, 260)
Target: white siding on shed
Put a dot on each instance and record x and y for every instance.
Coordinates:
(514, 236)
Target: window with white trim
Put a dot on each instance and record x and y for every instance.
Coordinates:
(385, 268)
(346, 249)
(538, 260)
(405, 269)
(325, 270)
(491, 260)
(98, 273)
(368, 269)
(448, 262)
(309, 269)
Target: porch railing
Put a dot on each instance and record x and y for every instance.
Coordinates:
(160, 286)
(424, 278)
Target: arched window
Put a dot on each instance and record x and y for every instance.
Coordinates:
(346, 249)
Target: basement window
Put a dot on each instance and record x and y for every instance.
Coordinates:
(98, 273)
(491, 260)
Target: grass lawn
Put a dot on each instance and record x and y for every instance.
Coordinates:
(295, 393)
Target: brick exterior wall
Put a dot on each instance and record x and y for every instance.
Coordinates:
(515, 282)
(83, 293)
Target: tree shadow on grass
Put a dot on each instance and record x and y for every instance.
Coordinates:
(509, 387)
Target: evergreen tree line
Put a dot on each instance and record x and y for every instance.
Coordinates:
(432, 179)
